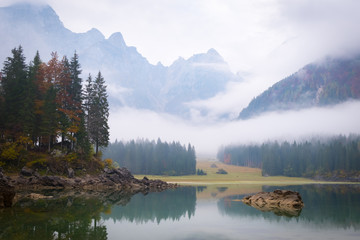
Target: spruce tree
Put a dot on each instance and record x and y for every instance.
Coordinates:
(34, 98)
(14, 86)
(64, 101)
(2, 110)
(88, 98)
(97, 112)
(81, 142)
(76, 86)
(50, 117)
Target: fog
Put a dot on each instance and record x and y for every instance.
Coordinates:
(208, 136)
(262, 41)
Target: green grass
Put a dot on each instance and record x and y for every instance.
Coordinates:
(236, 175)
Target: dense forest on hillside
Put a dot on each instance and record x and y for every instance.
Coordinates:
(329, 82)
(338, 157)
(46, 116)
(150, 157)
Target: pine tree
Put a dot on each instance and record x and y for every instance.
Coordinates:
(34, 98)
(88, 98)
(2, 109)
(81, 140)
(50, 117)
(76, 87)
(63, 100)
(52, 84)
(98, 112)
(14, 85)
(76, 96)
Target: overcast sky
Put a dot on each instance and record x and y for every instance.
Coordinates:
(247, 33)
(263, 40)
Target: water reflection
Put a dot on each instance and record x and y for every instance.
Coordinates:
(71, 215)
(154, 207)
(171, 215)
(65, 218)
(326, 206)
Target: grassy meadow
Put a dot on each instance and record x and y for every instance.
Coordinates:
(236, 175)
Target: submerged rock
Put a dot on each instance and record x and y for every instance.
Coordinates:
(281, 202)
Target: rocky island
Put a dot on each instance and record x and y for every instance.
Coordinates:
(280, 202)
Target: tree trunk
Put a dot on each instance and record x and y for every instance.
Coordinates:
(49, 149)
(97, 147)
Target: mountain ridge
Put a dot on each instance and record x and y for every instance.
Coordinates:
(333, 80)
(132, 80)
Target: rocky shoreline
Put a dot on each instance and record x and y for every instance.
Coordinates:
(119, 179)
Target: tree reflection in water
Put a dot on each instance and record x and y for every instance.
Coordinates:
(72, 215)
(170, 204)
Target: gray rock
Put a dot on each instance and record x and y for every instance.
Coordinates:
(25, 171)
(71, 173)
(281, 202)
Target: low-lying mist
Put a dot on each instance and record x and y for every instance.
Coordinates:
(207, 137)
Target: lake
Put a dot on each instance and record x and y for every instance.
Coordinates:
(205, 212)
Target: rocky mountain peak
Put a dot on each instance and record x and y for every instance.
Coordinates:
(117, 40)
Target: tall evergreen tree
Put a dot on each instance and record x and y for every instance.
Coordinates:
(67, 119)
(80, 137)
(52, 84)
(50, 117)
(34, 98)
(98, 112)
(14, 86)
(76, 82)
(2, 110)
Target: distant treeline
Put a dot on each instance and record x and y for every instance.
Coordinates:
(150, 157)
(335, 157)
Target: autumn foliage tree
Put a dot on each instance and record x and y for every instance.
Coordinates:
(42, 105)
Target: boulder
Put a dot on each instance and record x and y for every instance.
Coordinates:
(281, 202)
(52, 181)
(27, 172)
(71, 173)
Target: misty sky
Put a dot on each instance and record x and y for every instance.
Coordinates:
(262, 40)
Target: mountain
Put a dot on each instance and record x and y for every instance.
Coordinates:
(132, 81)
(332, 81)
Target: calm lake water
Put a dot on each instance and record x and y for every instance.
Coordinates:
(213, 212)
